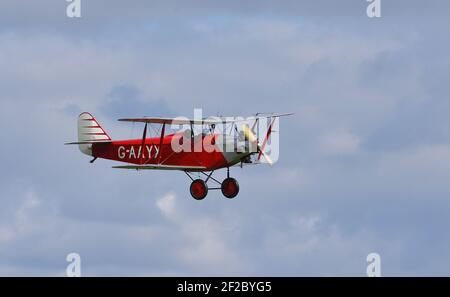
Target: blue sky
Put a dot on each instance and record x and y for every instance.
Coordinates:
(364, 163)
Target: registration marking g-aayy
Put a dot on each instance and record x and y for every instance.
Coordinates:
(135, 153)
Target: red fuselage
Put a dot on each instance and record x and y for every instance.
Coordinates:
(155, 151)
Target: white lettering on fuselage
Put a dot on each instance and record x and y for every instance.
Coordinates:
(135, 153)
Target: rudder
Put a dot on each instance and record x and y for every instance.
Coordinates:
(89, 130)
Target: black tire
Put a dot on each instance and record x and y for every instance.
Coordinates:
(198, 189)
(230, 188)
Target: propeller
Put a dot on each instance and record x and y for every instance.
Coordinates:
(251, 138)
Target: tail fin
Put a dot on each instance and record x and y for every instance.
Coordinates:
(90, 131)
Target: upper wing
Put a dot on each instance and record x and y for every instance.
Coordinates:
(268, 115)
(162, 167)
(174, 121)
(208, 121)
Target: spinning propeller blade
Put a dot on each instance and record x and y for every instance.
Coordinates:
(250, 137)
(266, 157)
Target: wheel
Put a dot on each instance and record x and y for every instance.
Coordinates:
(199, 189)
(230, 187)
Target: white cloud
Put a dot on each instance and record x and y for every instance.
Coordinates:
(204, 247)
(339, 143)
(27, 206)
(6, 234)
(207, 249)
(166, 205)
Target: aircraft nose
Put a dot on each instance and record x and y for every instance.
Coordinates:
(243, 147)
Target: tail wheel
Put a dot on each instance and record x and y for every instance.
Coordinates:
(230, 187)
(199, 189)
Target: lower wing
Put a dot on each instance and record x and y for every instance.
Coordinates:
(162, 167)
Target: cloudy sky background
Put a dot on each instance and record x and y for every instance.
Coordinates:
(364, 164)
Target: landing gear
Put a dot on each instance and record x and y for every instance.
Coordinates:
(230, 187)
(199, 188)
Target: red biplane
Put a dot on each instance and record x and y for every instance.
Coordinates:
(184, 150)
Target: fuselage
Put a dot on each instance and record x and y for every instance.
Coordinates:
(160, 151)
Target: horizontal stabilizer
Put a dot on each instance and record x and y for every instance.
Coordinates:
(161, 167)
(88, 142)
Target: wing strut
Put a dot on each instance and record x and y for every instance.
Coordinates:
(163, 130)
(143, 143)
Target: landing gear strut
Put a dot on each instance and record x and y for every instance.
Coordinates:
(199, 188)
